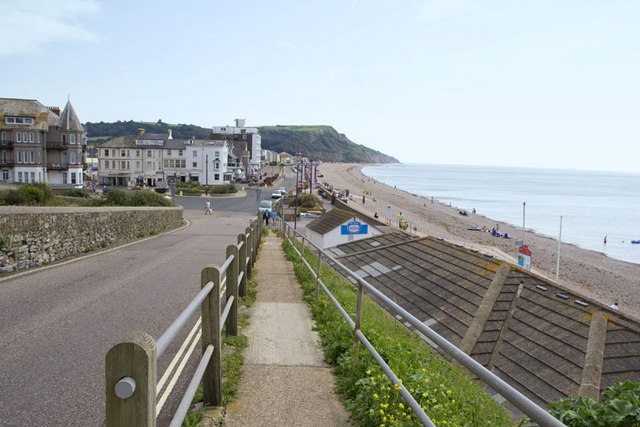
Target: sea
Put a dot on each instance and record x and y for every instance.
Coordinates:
(592, 204)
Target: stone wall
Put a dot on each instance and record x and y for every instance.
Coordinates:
(36, 236)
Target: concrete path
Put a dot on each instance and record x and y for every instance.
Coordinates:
(286, 382)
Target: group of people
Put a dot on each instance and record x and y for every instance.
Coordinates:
(269, 214)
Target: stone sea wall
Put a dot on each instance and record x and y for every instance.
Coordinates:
(36, 236)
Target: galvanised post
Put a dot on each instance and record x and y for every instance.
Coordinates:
(232, 290)
(318, 271)
(242, 264)
(358, 320)
(302, 248)
(212, 379)
(130, 380)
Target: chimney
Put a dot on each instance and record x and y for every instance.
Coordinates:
(140, 132)
(55, 110)
(240, 123)
(170, 136)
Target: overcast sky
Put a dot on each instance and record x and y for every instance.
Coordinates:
(515, 82)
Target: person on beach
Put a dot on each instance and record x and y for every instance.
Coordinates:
(400, 218)
(605, 239)
(207, 208)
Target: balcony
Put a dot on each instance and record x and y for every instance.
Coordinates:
(58, 166)
(6, 144)
(57, 145)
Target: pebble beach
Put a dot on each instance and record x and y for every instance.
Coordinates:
(590, 273)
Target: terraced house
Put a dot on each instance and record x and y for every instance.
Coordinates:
(41, 144)
(155, 159)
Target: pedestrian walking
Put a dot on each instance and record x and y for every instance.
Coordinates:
(207, 208)
(265, 216)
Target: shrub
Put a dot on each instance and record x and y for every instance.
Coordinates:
(4, 241)
(620, 407)
(12, 197)
(224, 189)
(149, 198)
(117, 197)
(48, 194)
(75, 192)
(33, 194)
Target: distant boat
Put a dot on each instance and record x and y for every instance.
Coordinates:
(635, 242)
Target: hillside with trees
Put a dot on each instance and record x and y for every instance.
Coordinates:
(317, 142)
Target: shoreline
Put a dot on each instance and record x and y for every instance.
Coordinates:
(588, 272)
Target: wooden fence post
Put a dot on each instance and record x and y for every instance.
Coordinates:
(130, 380)
(212, 379)
(242, 265)
(232, 290)
(249, 243)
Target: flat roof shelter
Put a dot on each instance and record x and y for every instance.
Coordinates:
(547, 342)
(338, 226)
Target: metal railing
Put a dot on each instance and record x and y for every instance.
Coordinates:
(529, 408)
(131, 364)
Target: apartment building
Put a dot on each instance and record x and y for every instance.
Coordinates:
(154, 159)
(245, 144)
(41, 144)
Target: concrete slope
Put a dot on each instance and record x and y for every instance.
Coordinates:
(285, 379)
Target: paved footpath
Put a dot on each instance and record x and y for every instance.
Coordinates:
(285, 382)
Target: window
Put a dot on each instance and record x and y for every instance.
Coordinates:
(19, 176)
(137, 153)
(138, 165)
(64, 138)
(113, 164)
(113, 153)
(123, 165)
(106, 164)
(4, 157)
(217, 154)
(216, 165)
(33, 177)
(3, 137)
(32, 137)
(19, 156)
(195, 153)
(244, 136)
(168, 152)
(5, 175)
(180, 153)
(106, 153)
(72, 157)
(216, 176)
(39, 159)
(73, 177)
(149, 165)
(18, 136)
(149, 153)
(19, 120)
(123, 153)
(33, 157)
(195, 164)
(72, 138)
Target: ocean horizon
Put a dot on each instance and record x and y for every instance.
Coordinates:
(593, 204)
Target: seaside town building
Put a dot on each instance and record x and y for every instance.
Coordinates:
(41, 144)
(154, 159)
(245, 144)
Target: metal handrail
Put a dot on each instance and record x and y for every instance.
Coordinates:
(165, 339)
(185, 403)
(529, 408)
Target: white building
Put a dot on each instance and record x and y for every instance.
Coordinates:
(207, 162)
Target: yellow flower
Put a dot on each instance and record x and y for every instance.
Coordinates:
(384, 419)
(371, 411)
(400, 380)
(425, 394)
(400, 405)
(408, 417)
(375, 395)
(381, 411)
(423, 370)
(453, 401)
(448, 391)
(368, 372)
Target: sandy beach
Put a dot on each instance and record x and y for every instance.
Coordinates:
(590, 273)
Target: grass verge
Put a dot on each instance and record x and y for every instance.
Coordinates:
(446, 393)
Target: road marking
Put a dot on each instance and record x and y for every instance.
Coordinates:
(178, 372)
(164, 377)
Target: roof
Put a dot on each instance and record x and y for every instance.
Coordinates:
(330, 220)
(69, 120)
(42, 115)
(529, 331)
(127, 141)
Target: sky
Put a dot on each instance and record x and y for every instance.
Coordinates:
(526, 83)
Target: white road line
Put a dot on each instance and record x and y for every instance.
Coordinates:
(177, 357)
(177, 373)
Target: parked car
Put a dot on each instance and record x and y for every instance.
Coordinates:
(276, 195)
(265, 205)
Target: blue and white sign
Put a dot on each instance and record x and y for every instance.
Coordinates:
(354, 227)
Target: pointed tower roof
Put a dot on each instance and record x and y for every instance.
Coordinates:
(69, 120)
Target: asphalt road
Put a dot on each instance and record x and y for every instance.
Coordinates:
(57, 323)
